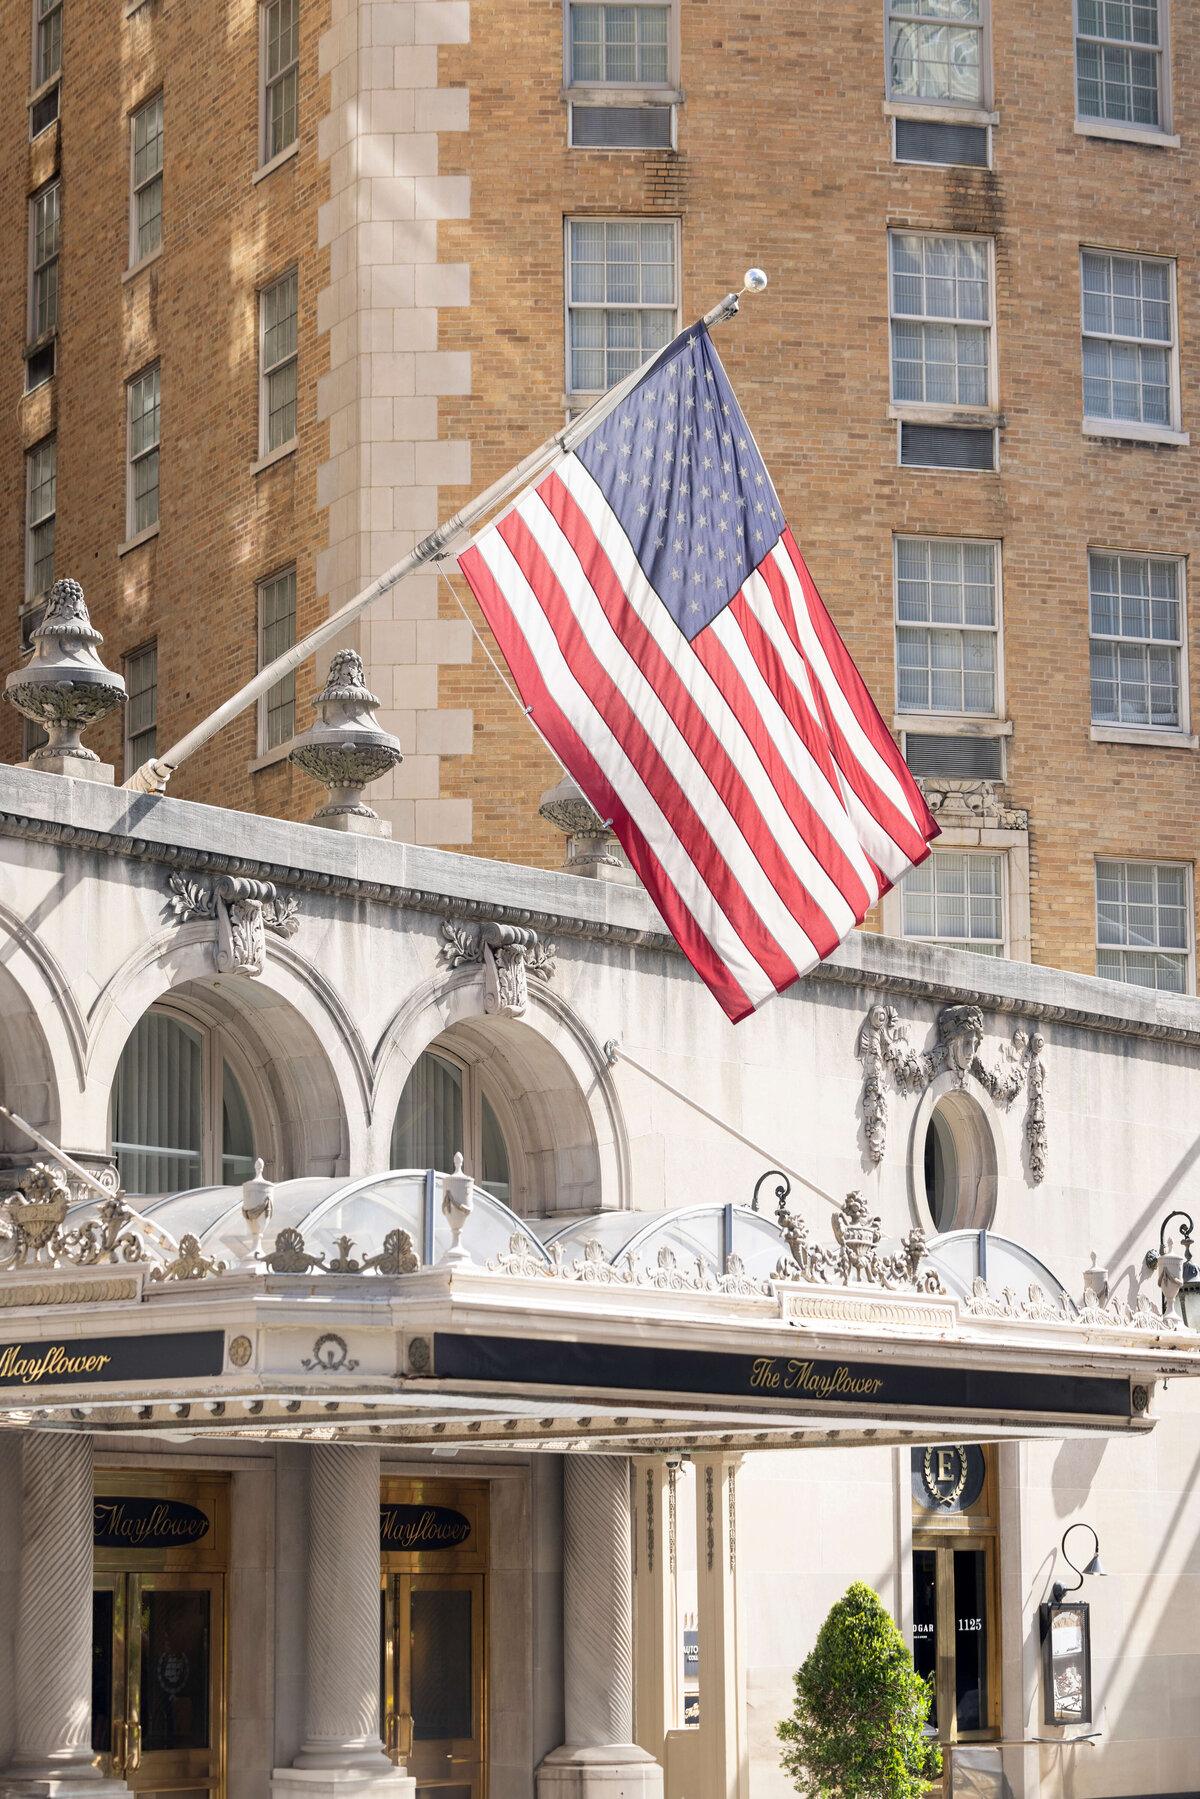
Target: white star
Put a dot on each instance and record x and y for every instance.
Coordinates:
(681, 517)
(675, 575)
(659, 542)
(645, 481)
(672, 399)
(641, 510)
(624, 479)
(663, 513)
(722, 524)
(742, 444)
(626, 423)
(758, 506)
(693, 605)
(725, 407)
(758, 537)
(726, 465)
(649, 393)
(708, 434)
(774, 516)
(690, 342)
(686, 461)
(759, 478)
(689, 399)
(678, 544)
(698, 549)
(601, 447)
(665, 484)
(697, 580)
(725, 494)
(709, 376)
(706, 493)
(648, 453)
(688, 432)
(626, 449)
(670, 427)
(702, 521)
(708, 405)
(720, 555)
(708, 462)
(741, 530)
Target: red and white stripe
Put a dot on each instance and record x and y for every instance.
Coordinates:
(748, 775)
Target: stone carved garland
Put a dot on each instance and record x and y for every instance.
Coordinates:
(857, 1257)
(508, 954)
(883, 1049)
(244, 911)
(1043, 1308)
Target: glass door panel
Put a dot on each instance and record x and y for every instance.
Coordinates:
(157, 1682)
(955, 1635)
(925, 1622)
(971, 1639)
(433, 1681)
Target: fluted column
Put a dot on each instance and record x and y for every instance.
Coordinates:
(52, 1738)
(341, 1726)
(599, 1752)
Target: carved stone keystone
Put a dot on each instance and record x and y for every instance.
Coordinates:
(64, 687)
(345, 748)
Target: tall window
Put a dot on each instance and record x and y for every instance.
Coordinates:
(144, 394)
(1143, 924)
(280, 54)
(957, 900)
(146, 150)
(941, 319)
(1137, 639)
(179, 1112)
(277, 632)
(141, 710)
(621, 298)
(1118, 61)
(43, 297)
(946, 625)
(444, 1108)
(47, 63)
(935, 51)
(41, 467)
(1128, 339)
(277, 360)
(619, 44)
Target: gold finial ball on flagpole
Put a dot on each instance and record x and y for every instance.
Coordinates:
(756, 281)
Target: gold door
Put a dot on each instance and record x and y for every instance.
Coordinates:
(158, 1635)
(433, 1681)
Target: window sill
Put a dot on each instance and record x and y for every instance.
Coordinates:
(135, 269)
(276, 162)
(135, 6)
(950, 724)
(939, 115)
(139, 537)
(46, 88)
(621, 94)
(1126, 134)
(1155, 740)
(274, 456)
(1134, 433)
(979, 416)
(269, 758)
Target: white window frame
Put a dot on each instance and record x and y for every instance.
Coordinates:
(1135, 429)
(474, 1083)
(132, 531)
(995, 854)
(956, 112)
(265, 448)
(934, 412)
(268, 159)
(32, 335)
(572, 396)
(32, 524)
(265, 747)
(38, 80)
(132, 762)
(624, 93)
(1189, 986)
(1164, 133)
(135, 255)
(913, 719)
(1177, 736)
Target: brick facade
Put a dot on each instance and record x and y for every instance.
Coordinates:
(425, 209)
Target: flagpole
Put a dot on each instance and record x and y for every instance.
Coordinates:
(153, 775)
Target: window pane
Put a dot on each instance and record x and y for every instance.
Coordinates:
(237, 1133)
(935, 62)
(956, 899)
(630, 265)
(49, 41)
(277, 609)
(158, 1106)
(429, 1119)
(283, 36)
(1145, 906)
(281, 406)
(495, 1176)
(145, 492)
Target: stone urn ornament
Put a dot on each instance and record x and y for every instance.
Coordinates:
(257, 1207)
(345, 748)
(458, 1202)
(64, 687)
(592, 847)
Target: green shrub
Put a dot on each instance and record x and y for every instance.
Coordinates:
(858, 1728)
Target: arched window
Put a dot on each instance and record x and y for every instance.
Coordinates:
(179, 1112)
(445, 1107)
(959, 1166)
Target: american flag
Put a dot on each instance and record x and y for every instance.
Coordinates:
(670, 645)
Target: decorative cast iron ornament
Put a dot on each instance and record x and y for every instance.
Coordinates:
(244, 911)
(883, 1049)
(32, 1234)
(508, 955)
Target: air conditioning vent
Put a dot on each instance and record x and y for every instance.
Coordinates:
(947, 446)
(926, 140)
(621, 127)
(956, 758)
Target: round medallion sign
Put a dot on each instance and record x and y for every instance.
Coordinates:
(948, 1477)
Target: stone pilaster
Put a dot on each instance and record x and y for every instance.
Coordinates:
(656, 1655)
(600, 1755)
(724, 1757)
(52, 1650)
(342, 1751)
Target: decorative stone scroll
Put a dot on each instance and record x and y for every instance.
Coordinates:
(32, 1234)
(857, 1257)
(508, 955)
(883, 1049)
(971, 803)
(1042, 1308)
(244, 911)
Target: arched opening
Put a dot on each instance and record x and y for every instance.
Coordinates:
(180, 1116)
(446, 1107)
(958, 1166)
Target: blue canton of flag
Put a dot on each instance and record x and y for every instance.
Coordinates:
(677, 464)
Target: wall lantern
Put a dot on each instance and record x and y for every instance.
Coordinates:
(1178, 1276)
(1067, 1643)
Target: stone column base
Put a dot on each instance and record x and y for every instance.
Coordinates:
(80, 768)
(341, 1783)
(613, 1771)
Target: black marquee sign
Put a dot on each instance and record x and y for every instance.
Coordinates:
(421, 1528)
(136, 1523)
(85, 1361)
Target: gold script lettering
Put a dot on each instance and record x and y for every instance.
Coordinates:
(29, 1369)
(764, 1373)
